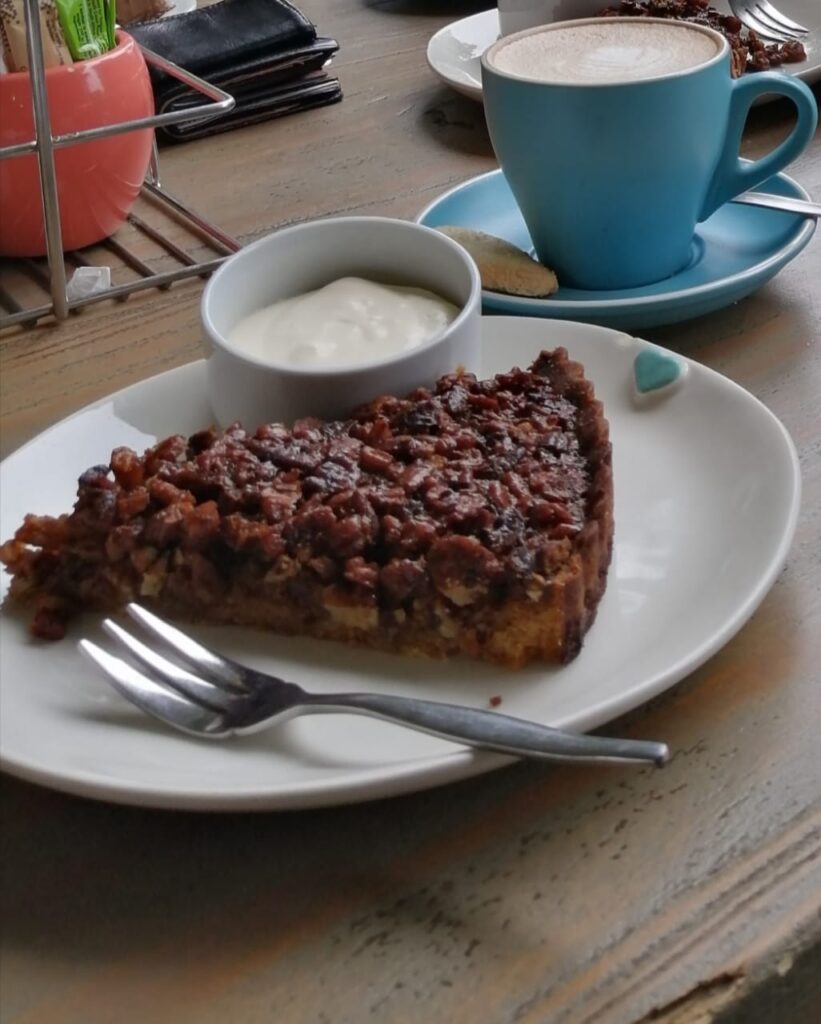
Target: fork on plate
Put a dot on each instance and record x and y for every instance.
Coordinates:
(767, 20)
(205, 694)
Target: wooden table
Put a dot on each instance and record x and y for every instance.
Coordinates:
(530, 895)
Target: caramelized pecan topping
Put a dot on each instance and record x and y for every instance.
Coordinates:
(467, 489)
(748, 52)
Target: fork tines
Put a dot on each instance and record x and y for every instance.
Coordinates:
(766, 20)
(192, 689)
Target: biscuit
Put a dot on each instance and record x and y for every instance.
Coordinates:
(502, 266)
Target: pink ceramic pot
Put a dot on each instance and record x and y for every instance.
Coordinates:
(97, 181)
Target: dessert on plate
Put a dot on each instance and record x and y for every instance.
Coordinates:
(472, 518)
(748, 51)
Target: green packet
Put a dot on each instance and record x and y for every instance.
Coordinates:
(88, 26)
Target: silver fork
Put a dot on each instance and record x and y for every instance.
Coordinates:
(766, 20)
(204, 694)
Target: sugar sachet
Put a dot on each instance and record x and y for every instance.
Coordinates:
(13, 35)
(88, 26)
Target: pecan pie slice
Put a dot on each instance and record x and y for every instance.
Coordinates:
(475, 518)
(748, 51)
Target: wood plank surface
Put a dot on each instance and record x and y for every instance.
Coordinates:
(532, 895)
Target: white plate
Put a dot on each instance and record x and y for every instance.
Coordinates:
(180, 7)
(707, 493)
(455, 51)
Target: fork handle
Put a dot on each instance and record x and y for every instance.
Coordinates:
(490, 730)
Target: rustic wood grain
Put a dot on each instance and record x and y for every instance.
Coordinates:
(575, 896)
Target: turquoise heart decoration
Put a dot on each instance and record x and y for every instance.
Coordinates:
(654, 370)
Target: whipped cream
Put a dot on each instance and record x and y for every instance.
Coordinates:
(349, 322)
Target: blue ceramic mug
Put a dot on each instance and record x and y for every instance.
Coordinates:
(612, 175)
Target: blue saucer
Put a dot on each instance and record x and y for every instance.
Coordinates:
(734, 252)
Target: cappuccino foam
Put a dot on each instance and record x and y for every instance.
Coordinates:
(605, 52)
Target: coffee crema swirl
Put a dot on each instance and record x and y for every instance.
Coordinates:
(597, 53)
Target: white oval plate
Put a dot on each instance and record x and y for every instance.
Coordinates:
(454, 52)
(707, 495)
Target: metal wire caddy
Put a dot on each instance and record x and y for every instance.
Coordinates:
(44, 145)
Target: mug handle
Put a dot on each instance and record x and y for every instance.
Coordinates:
(733, 175)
